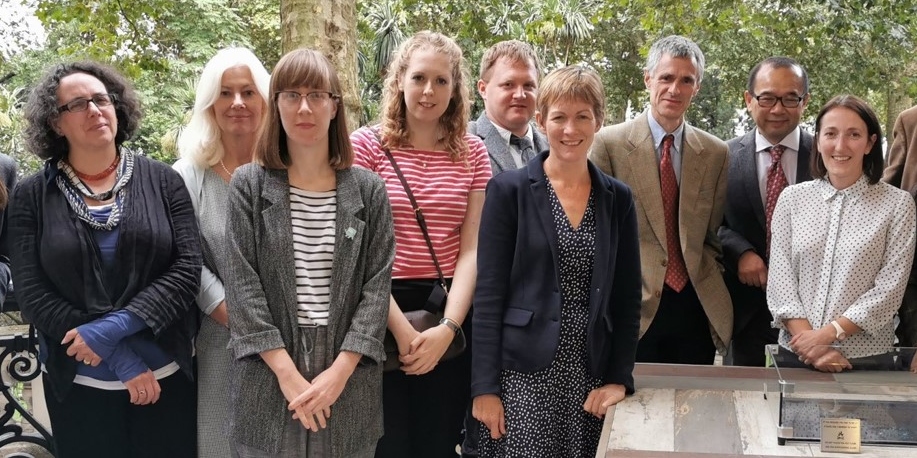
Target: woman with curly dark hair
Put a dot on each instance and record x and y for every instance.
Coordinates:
(107, 262)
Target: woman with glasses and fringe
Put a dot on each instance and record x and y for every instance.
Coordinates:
(311, 249)
(107, 262)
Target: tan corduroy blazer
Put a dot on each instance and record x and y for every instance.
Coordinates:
(902, 153)
(626, 151)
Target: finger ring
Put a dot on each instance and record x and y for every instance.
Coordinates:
(86, 361)
(141, 393)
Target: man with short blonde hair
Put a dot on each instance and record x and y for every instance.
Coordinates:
(508, 85)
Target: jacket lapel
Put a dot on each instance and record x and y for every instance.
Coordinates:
(539, 190)
(278, 238)
(803, 173)
(693, 169)
(540, 141)
(604, 261)
(348, 237)
(641, 159)
(496, 145)
(748, 173)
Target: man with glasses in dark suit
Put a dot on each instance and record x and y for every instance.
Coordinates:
(762, 162)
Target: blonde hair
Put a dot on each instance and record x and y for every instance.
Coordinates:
(200, 140)
(454, 122)
(303, 68)
(575, 82)
(515, 51)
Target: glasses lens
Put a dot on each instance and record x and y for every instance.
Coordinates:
(766, 100)
(319, 97)
(288, 98)
(791, 102)
(102, 100)
(78, 105)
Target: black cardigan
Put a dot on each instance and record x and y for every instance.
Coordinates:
(60, 283)
(8, 176)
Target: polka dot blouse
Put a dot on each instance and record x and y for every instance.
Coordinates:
(841, 253)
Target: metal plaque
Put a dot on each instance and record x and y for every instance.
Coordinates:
(840, 435)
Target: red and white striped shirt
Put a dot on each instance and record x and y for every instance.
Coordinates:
(441, 188)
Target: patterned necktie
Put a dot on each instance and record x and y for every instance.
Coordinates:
(676, 274)
(776, 181)
(524, 145)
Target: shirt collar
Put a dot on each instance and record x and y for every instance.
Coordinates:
(857, 189)
(505, 134)
(791, 141)
(659, 133)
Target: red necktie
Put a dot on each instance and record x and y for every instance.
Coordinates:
(776, 181)
(676, 274)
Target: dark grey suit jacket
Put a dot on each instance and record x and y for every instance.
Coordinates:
(744, 226)
(501, 158)
(261, 293)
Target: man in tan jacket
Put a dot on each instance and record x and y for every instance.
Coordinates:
(678, 176)
(901, 171)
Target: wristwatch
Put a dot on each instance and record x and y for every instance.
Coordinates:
(839, 333)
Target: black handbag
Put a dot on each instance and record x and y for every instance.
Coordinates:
(432, 312)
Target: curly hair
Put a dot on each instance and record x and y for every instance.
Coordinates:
(200, 140)
(41, 110)
(454, 122)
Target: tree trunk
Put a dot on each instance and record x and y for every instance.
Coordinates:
(329, 26)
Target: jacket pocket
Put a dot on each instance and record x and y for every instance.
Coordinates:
(517, 317)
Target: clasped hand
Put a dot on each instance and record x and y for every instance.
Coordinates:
(424, 349)
(143, 389)
(811, 344)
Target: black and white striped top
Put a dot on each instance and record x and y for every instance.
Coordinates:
(312, 215)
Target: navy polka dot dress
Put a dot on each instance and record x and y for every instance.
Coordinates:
(544, 410)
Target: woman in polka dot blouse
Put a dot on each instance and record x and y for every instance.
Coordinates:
(841, 248)
(557, 303)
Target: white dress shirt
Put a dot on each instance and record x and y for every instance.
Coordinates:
(841, 253)
(517, 155)
(788, 161)
(659, 134)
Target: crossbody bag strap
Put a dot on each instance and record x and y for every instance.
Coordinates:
(418, 213)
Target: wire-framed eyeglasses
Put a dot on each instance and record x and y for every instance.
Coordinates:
(294, 99)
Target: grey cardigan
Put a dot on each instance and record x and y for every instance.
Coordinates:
(261, 292)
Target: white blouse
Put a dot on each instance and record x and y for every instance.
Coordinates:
(841, 253)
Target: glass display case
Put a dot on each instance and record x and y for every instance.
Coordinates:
(879, 391)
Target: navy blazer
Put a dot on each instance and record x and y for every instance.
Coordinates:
(517, 301)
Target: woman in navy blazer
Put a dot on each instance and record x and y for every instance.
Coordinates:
(557, 303)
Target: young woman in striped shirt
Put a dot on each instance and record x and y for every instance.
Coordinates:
(424, 117)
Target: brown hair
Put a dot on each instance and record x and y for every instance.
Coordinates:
(302, 68)
(873, 163)
(454, 122)
(575, 82)
(514, 50)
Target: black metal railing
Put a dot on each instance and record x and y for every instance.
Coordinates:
(19, 360)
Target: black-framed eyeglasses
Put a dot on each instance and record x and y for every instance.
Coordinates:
(82, 103)
(294, 99)
(788, 101)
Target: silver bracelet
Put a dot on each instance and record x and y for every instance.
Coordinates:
(451, 324)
